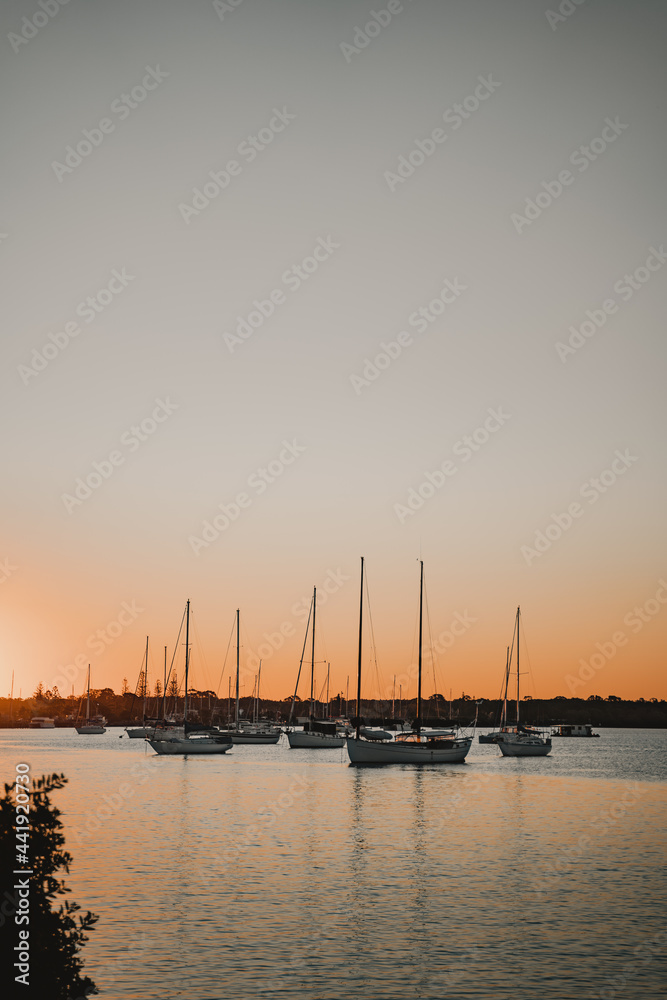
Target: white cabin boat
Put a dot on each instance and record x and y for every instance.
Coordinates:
(42, 722)
(574, 730)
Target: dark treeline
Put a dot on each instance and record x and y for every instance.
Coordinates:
(120, 709)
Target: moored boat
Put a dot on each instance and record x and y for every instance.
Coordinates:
(258, 732)
(574, 730)
(192, 739)
(524, 741)
(94, 726)
(315, 735)
(141, 732)
(420, 746)
(196, 743)
(42, 722)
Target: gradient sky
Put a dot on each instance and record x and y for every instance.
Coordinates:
(328, 179)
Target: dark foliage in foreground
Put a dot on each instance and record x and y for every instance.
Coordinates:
(55, 935)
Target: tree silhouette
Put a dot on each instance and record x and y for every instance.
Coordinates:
(55, 935)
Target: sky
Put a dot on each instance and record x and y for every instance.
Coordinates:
(288, 284)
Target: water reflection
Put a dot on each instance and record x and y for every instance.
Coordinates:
(288, 874)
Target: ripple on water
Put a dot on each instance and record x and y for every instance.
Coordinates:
(271, 873)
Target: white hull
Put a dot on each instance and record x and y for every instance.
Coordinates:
(90, 730)
(188, 746)
(364, 752)
(320, 741)
(512, 748)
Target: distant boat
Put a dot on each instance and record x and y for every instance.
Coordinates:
(189, 741)
(42, 722)
(574, 730)
(493, 737)
(415, 747)
(245, 732)
(315, 735)
(94, 726)
(525, 741)
(141, 732)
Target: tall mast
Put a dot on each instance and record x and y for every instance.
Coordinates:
(259, 678)
(312, 663)
(361, 616)
(145, 677)
(164, 687)
(187, 658)
(88, 697)
(328, 672)
(298, 676)
(419, 680)
(238, 653)
(503, 714)
(518, 615)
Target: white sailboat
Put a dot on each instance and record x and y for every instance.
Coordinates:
(523, 741)
(497, 735)
(415, 747)
(316, 735)
(252, 733)
(189, 741)
(94, 726)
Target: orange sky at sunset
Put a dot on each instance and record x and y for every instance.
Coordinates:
(364, 341)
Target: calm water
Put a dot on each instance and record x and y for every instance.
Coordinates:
(270, 872)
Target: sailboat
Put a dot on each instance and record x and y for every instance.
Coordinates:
(316, 735)
(191, 740)
(498, 734)
(249, 732)
(140, 732)
(416, 746)
(94, 726)
(524, 741)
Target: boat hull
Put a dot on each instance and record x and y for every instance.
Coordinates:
(511, 749)
(139, 734)
(363, 752)
(488, 737)
(261, 738)
(314, 741)
(90, 730)
(186, 747)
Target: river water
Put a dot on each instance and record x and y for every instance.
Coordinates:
(269, 872)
